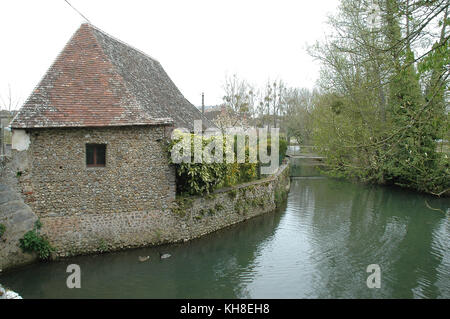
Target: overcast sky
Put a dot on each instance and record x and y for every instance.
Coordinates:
(197, 42)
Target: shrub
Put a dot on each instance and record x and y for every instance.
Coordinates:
(200, 178)
(102, 246)
(196, 178)
(282, 148)
(248, 171)
(283, 144)
(33, 241)
(280, 196)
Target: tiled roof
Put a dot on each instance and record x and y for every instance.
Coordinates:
(212, 115)
(98, 80)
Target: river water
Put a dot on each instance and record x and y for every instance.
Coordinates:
(317, 246)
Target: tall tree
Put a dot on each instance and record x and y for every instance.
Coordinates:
(382, 104)
(297, 120)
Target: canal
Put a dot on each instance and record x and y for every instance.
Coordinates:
(317, 246)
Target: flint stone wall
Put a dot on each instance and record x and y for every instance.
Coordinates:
(137, 175)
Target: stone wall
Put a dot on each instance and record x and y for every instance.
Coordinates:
(189, 218)
(202, 215)
(15, 215)
(136, 177)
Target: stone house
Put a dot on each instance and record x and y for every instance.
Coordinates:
(213, 112)
(93, 133)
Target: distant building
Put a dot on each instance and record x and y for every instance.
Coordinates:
(224, 117)
(213, 111)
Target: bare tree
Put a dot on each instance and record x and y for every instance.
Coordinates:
(239, 101)
(9, 103)
(239, 95)
(273, 101)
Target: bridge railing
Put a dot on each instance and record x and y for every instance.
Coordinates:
(299, 150)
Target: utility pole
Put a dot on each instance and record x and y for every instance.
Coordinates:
(203, 103)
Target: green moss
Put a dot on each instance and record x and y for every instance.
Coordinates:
(2, 230)
(210, 196)
(218, 207)
(232, 193)
(179, 211)
(102, 246)
(158, 235)
(258, 201)
(280, 196)
(182, 204)
(241, 207)
(185, 201)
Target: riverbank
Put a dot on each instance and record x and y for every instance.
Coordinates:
(307, 163)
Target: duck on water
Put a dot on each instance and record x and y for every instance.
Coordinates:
(161, 256)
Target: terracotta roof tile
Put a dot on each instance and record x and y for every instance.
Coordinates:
(100, 81)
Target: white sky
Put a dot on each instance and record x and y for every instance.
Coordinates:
(197, 42)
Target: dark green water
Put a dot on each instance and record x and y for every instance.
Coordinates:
(318, 246)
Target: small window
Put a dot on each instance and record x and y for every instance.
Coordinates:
(95, 155)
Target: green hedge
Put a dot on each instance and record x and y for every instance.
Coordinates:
(282, 145)
(2, 230)
(199, 178)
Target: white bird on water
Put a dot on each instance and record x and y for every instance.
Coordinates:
(164, 256)
(142, 259)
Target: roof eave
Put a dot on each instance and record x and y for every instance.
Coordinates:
(156, 123)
